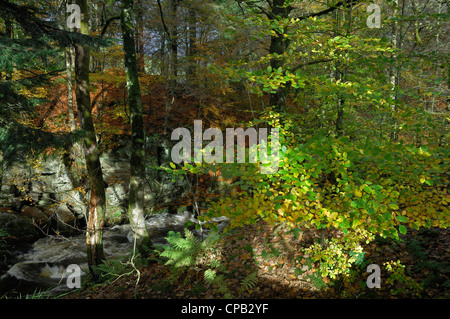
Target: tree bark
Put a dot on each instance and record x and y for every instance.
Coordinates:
(279, 45)
(340, 72)
(192, 34)
(136, 192)
(140, 38)
(173, 45)
(97, 203)
(338, 77)
(171, 32)
(73, 158)
(393, 75)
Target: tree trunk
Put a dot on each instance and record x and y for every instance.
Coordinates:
(192, 35)
(393, 75)
(278, 45)
(97, 203)
(140, 38)
(340, 72)
(136, 192)
(73, 159)
(173, 45)
(69, 64)
(338, 77)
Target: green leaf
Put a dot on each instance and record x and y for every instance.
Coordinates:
(367, 189)
(393, 205)
(402, 219)
(402, 229)
(291, 196)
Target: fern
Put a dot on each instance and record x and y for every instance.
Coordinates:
(215, 263)
(3, 233)
(186, 255)
(210, 275)
(109, 270)
(249, 282)
(182, 252)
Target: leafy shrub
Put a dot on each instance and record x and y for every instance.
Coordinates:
(361, 187)
(399, 281)
(335, 259)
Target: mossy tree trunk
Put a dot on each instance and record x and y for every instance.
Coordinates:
(73, 158)
(137, 171)
(278, 46)
(140, 37)
(97, 203)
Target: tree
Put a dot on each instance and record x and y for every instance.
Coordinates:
(280, 10)
(280, 17)
(25, 65)
(343, 175)
(97, 202)
(170, 30)
(140, 37)
(137, 170)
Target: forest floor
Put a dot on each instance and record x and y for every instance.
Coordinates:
(275, 254)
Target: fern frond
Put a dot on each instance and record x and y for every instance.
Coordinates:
(249, 281)
(215, 263)
(210, 276)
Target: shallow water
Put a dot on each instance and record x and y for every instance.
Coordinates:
(45, 265)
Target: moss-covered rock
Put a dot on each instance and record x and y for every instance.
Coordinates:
(18, 227)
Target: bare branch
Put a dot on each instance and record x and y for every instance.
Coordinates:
(108, 22)
(166, 29)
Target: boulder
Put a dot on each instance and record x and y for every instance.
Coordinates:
(34, 213)
(19, 227)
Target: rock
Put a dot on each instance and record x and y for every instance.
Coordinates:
(6, 189)
(18, 227)
(115, 214)
(65, 216)
(34, 213)
(15, 203)
(49, 188)
(46, 199)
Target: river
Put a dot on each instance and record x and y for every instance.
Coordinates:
(44, 266)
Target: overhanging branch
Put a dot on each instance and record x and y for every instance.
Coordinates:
(108, 22)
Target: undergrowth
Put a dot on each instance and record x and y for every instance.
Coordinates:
(189, 257)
